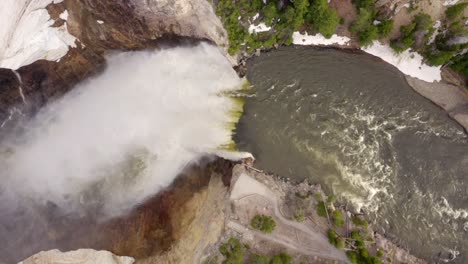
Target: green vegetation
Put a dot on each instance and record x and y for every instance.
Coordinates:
(358, 221)
(364, 25)
(229, 13)
(263, 223)
(421, 23)
(284, 19)
(332, 236)
(281, 258)
(385, 28)
(335, 240)
(455, 11)
(331, 199)
(233, 251)
(380, 253)
(366, 4)
(444, 50)
(322, 17)
(361, 254)
(299, 215)
(260, 259)
(460, 64)
(321, 209)
(338, 218)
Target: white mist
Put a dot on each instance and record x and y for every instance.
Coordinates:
(119, 138)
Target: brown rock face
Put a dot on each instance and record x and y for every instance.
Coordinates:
(102, 26)
(184, 216)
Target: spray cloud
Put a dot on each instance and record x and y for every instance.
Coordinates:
(122, 136)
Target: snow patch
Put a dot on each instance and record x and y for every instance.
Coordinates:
(450, 2)
(27, 35)
(318, 39)
(64, 15)
(259, 28)
(409, 63)
(255, 17)
(100, 22)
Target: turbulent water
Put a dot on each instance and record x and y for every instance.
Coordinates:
(122, 136)
(351, 123)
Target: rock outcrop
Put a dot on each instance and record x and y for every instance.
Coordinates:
(81, 256)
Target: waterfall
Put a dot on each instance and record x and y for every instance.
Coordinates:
(120, 137)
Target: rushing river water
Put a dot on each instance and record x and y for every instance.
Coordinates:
(351, 123)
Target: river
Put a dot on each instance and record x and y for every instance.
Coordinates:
(350, 122)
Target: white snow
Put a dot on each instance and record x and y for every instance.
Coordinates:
(26, 35)
(409, 63)
(64, 15)
(450, 2)
(433, 36)
(255, 17)
(318, 39)
(100, 22)
(259, 28)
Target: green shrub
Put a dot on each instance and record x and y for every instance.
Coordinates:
(331, 199)
(233, 251)
(460, 64)
(321, 209)
(385, 28)
(281, 258)
(299, 215)
(364, 3)
(340, 242)
(342, 21)
(421, 22)
(301, 9)
(439, 57)
(367, 36)
(380, 253)
(260, 259)
(338, 218)
(318, 196)
(332, 237)
(352, 256)
(263, 223)
(358, 221)
(364, 27)
(323, 18)
(364, 20)
(270, 11)
(456, 10)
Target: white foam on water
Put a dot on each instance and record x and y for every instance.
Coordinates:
(119, 138)
(443, 208)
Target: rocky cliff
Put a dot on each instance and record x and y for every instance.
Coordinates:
(174, 226)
